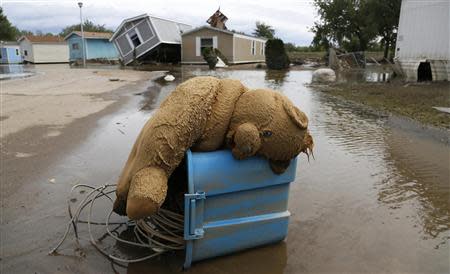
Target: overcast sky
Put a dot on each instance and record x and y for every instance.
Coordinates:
(291, 19)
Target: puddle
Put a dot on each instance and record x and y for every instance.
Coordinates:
(372, 74)
(375, 199)
(14, 71)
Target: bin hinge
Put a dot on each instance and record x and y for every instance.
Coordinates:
(193, 215)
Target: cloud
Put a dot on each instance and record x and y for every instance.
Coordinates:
(291, 19)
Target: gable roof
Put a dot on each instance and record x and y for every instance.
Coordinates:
(90, 35)
(225, 31)
(42, 39)
(170, 30)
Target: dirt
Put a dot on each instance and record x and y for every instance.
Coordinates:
(413, 100)
(57, 95)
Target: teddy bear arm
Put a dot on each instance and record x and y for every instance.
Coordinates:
(218, 122)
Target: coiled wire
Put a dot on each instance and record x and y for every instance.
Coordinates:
(160, 233)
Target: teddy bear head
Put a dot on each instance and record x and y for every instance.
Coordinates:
(266, 123)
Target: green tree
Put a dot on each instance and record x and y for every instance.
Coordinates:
(7, 30)
(343, 23)
(87, 26)
(276, 56)
(385, 16)
(356, 25)
(264, 30)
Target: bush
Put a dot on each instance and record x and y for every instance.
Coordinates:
(210, 57)
(276, 56)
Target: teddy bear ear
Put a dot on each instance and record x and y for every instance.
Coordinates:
(297, 116)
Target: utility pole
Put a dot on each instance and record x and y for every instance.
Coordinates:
(80, 4)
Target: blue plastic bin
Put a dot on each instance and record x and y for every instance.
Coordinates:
(233, 205)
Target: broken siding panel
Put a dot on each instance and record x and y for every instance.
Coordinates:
(169, 31)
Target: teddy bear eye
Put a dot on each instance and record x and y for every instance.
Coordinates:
(267, 133)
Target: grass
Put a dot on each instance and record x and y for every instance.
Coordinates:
(415, 101)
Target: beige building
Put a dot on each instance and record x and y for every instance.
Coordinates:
(43, 49)
(237, 48)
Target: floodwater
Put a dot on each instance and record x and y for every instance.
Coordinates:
(374, 200)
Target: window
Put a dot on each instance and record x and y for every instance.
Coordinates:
(75, 46)
(253, 47)
(134, 37)
(205, 43)
(261, 50)
(17, 52)
(25, 53)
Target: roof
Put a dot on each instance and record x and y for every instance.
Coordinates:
(90, 35)
(224, 31)
(168, 30)
(42, 39)
(9, 43)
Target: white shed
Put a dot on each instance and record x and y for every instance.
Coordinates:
(44, 49)
(423, 49)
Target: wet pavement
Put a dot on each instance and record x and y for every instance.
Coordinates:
(375, 199)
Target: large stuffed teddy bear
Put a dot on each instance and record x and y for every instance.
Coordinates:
(205, 114)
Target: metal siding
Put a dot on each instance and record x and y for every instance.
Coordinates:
(244, 204)
(424, 30)
(25, 45)
(423, 35)
(101, 49)
(243, 50)
(224, 44)
(51, 53)
(9, 55)
(75, 53)
(145, 30)
(124, 45)
(169, 31)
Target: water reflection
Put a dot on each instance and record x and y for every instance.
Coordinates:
(269, 259)
(372, 74)
(275, 78)
(420, 171)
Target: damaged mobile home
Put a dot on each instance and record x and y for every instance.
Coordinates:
(422, 48)
(147, 37)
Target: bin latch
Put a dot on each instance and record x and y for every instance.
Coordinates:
(193, 215)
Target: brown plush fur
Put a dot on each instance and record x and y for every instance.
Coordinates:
(280, 126)
(201, 114)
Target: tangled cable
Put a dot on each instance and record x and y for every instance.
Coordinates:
(159, 233)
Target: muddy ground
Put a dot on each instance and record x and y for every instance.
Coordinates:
(374, 200)
(412, 100)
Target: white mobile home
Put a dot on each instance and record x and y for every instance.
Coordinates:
(43, 49)
(139, 36)
(423, 49)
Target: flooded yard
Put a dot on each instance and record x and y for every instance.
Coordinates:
(375, 199)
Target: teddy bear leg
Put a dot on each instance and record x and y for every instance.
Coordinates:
(147, 192)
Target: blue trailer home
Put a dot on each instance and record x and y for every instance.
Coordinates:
(97, 46)
(10, 52)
